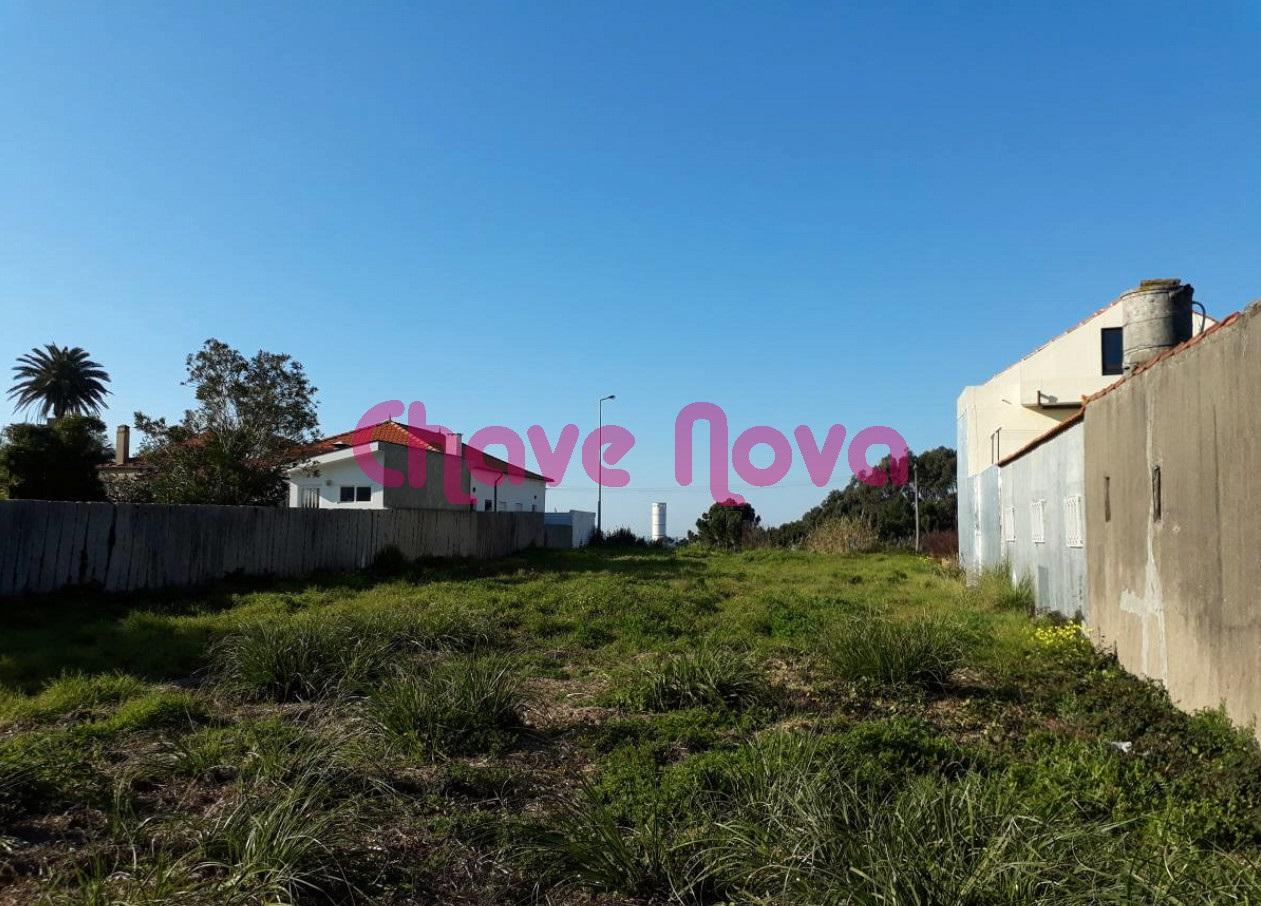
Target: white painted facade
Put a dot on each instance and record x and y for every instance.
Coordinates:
(505, 497)
(336, 480)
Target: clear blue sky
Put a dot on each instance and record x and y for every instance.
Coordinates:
(805, 213)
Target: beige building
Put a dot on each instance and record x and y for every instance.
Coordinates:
(1000, 417)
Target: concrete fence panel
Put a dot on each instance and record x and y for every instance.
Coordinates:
(46, 546)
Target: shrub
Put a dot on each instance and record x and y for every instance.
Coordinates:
(921, 651)
(464, 704)
(709, 676)
(843, 535)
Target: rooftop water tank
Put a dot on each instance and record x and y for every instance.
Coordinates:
(1156, 317)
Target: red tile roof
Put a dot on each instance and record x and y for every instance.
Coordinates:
(391, 432)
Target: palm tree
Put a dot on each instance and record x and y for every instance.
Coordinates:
(60, 380)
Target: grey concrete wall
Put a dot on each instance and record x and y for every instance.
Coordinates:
(1179, 597)
(45, 546)
(1051, 472)
(431, 495)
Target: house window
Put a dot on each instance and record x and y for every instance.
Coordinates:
(363, 493)
(1073, 534)
(1009, 524)
(310, 498)
(1037, 512)
(349, 493)
(487, 505)
(1112, 349)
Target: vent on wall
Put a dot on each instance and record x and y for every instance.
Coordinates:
(1073, 534)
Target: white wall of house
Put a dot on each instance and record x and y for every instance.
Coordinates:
(336, 471)
(339, 470)
(528, 497)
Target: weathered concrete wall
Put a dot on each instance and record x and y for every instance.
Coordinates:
(980, 542)
(1053, 473)
(1179, 594)
(45, 546)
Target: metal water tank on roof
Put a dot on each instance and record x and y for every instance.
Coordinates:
(1156, 317)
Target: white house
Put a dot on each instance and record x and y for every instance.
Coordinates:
(331, 475)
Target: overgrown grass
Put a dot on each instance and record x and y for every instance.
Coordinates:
(458, 705)
(625, 725)
(709, 676)
(922, 650)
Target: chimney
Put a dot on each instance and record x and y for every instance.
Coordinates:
(1156, 316)
(122, 445)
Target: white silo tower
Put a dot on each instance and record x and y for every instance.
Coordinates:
(658, 521)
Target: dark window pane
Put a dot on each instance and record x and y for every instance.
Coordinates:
(1110, 338)
(347, 494)
(363, 494)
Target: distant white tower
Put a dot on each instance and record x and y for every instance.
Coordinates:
(658, 521)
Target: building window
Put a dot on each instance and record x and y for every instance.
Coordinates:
(1112, 349)
(346, 494)
(487, 505)
(1073, 534)
(1156, 502)
(363, 493)
(310, 498)
(1037, 511)
(349, 493)
(1009, 524)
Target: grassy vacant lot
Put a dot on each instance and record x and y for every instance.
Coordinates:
(603, 727)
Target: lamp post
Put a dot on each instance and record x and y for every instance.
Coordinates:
(599, 499)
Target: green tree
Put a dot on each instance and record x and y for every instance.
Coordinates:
(726, 525)
(890, 507)
(56, 461)
(60, 381)
(251, 420)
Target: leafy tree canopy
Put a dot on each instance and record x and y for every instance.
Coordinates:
(56, 461)
(889, 508)
(726, 525)
(252, 416)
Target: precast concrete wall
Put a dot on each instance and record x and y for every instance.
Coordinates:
(1173, 519)
(46, 546)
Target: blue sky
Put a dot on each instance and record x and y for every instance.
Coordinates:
(807, 214)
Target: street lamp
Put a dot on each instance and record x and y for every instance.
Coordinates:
(599, 500)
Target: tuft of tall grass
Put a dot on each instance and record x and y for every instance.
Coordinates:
(589, 845)
(306, 658)
(922, 651)
(458, 705)
(994, 589)
(328, 653)
(705, 676)
(281, 843)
